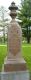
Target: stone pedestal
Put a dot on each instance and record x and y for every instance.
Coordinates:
(14, 67)
(15, 75)
(11, 65)
(15, 70)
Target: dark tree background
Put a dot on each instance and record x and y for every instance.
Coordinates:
(24, 14)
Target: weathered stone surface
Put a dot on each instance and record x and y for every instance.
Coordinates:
(14, 34)
(15, 65)
(14, 38)
(17, 75)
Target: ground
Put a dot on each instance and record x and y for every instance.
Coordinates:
(26, 52)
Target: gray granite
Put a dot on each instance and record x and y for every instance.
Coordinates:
(0, 75)
(18, 75)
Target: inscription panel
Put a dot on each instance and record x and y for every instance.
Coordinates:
(14, 40)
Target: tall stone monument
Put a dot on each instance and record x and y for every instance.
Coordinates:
(14, 58)
(14, 66)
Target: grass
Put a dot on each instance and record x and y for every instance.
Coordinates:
(3, 52)
(26, 51)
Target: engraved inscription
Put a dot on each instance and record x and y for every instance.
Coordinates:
(14, 41)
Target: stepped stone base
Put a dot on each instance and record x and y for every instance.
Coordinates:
(15, 65)
(15, 70)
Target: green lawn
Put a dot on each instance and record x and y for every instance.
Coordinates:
(3, 52)
(26, 51)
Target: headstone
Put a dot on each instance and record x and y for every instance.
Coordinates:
(14, 67)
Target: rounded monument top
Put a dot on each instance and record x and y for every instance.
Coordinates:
(13, 6)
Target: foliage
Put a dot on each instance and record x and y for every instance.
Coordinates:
(3, 20)
(24, 14)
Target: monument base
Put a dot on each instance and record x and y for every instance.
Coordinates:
(17, 75)
(15, 70)
(15, 65)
